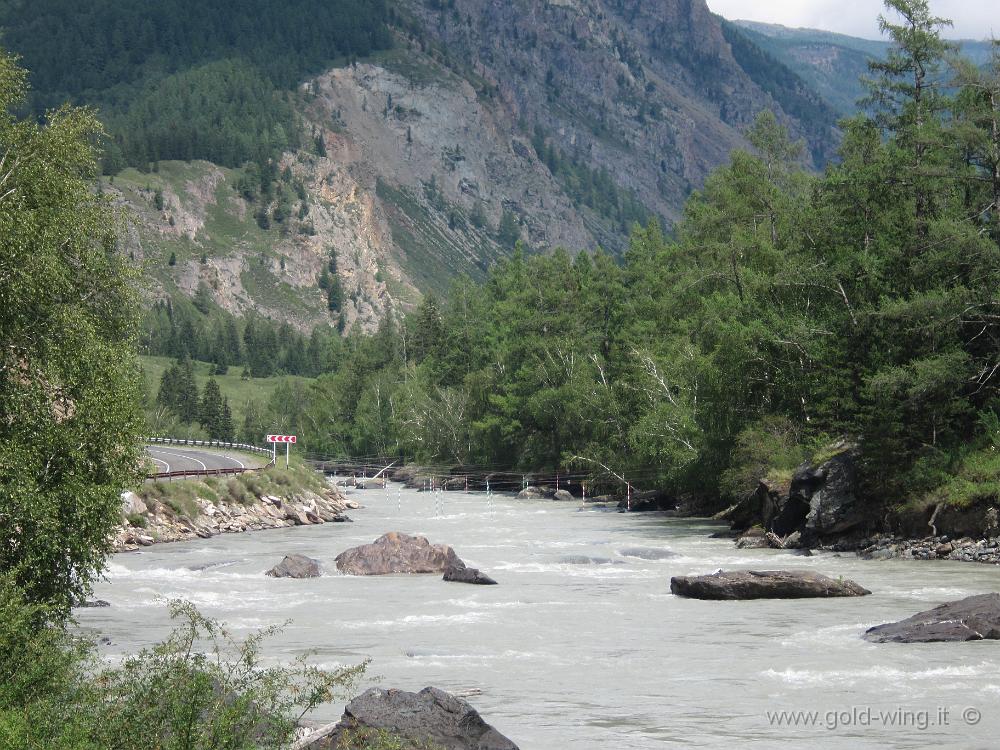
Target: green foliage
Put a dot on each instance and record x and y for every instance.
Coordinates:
(771, 450)
(68, 373)
(225, 112)
(201, 688)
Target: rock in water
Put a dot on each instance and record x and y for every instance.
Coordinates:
(531, 493)
(397, 553)
(647, 553)
(295, 566)
(563, 496)
(974, 618)
(763, 584)
(431, 716)
(458, 573)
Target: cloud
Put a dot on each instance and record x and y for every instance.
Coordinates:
(973, 19)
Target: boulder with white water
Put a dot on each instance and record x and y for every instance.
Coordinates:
(763, 584)
(459, 573)
(563, 496)
(975, 618)
(431, 718)
(396, 552)
(295, 566)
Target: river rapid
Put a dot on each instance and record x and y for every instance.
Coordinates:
(572, 654)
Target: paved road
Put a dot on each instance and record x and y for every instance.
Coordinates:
(180, 458)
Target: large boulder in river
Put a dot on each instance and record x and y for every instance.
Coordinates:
(531, 493)
(975, 618)
(459, 573)
(431, 717)
(563, 496)
(763, 584)
(397, 553)
(295, 566)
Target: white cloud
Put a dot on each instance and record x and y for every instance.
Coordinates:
(973, 19)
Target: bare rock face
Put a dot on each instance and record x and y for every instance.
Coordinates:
(431, 716)
(397, 553)
(766, 584)
(974, 618)
(295, 566)
(459, 573)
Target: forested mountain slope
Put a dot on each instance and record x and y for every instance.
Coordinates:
(411, 141)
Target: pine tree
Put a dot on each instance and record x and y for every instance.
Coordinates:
(211, 409)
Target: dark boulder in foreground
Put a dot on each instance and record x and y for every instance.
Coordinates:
(459, 573)
(397, 553)
(975, 618)
(647, 553)
(432, 717)
(763, 584)
(295, 566)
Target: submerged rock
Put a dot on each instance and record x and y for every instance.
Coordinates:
(763, 584)
(459, 573)
(587, 560)
(295, 566)
(397, 553)
(431, 716)
(974, 618)
(647, 553)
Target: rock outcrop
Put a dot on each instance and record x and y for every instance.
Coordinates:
(295, 566)
(459, 573)
(819, 503)
(974, 618)
(397, 553)
(164, 522)
(432, 717)
(766, 584)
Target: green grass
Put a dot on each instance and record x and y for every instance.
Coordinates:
(233, 387)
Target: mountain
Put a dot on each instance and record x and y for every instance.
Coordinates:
(398, 144)
(833, 64)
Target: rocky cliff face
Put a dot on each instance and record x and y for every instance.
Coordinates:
(554, 122)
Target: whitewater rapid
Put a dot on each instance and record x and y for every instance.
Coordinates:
(563, 655)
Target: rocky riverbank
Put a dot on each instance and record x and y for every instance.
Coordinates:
(153, 520)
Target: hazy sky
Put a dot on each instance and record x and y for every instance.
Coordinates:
(973, 19)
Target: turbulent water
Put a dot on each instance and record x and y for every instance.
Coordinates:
(572, 653)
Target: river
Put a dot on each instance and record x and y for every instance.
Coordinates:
(575, 656)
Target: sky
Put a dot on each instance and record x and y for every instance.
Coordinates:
(973, 19)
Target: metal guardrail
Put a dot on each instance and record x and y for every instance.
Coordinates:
(208, 444)
(183, 474)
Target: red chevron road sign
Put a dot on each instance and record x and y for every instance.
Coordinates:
(281, 438)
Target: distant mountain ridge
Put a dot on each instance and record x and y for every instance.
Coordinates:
(833, 63)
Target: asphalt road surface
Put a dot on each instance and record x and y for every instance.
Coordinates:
(179, 458)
